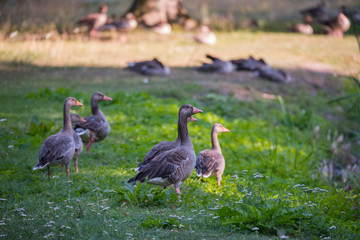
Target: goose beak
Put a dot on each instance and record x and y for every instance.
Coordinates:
(196, 110)
(106, 98)
(78, 103)
(225, 129)
(82, 120)
(192, 119)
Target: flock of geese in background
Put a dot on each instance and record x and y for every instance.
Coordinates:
(333, 23)
(258, 66)
(319, 14)
(167, 163)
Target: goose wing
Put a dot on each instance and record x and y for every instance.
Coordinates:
(166, 165)
(207, 162)
(55, 148)
(93, 122)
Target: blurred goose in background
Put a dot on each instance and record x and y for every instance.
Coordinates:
(249, 64)
(211, 161)
(352, 14)
(175, 165)
(317, 13)
(96, 127)
(94, 20)
(262, 69)
(205, 35)
(152, 67)
(75, 118)
(337, 26)
(125, 24)
(59, 148)
(161, 148)
(304, 27)
(216, 66)
(275, 75)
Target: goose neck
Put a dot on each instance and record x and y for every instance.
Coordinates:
(215, 141)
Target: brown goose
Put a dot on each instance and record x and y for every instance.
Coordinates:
(153, 67)
(78, 142)
(94, 20)
(175, 165)
(60, 147)
(96, 127)
(161, 148)
(211, 161)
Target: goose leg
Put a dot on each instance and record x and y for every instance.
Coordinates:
(76, 165)
(91, 140)
(48, 172)
(62, 167)
(67, 172)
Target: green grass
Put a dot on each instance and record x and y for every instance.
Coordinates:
(271, 149)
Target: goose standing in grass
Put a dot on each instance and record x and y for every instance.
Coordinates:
(211, 161)
(96, 127)
(78, 142)
(175, 165)
(150, 68)
(161, 148)
(94, 20)
(59, 148)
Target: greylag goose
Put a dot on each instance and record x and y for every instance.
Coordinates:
(78, 142)
(94, 20)
(96, 127)
(175, 165)
(153, 67)
(249, 64)
(125, 24)
(216, 66)
(161, 148)
(211, 161)
(262, 69)
(59, 148)
(205, 35)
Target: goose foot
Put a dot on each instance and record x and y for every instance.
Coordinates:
(178, 192)
(67, 172)
(76, 165)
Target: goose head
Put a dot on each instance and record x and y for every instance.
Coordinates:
(188, 110)
(70, 101)
(99, 96)
(220, 128)
(76, 118)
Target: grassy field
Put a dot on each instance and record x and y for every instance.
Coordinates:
(275, 184)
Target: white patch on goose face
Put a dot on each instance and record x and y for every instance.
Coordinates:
(159, 181)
